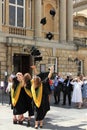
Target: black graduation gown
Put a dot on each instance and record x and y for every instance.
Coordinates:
(45, 106)
(45, 80)
(29, 100)
(21, 105)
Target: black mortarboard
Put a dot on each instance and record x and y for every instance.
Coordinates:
(49, 35)
(43, 21)
(52, 12)
(43, 75)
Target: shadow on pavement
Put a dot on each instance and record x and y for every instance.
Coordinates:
(52, 126)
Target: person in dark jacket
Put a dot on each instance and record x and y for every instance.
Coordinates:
(67, 89)
(58, 83)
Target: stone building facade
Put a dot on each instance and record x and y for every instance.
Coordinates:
(21, 28)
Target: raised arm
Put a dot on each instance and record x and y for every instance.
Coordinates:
(50, 72)
(34, 69)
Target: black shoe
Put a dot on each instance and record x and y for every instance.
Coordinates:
(41, 126)
(58, 102)
(14, 121)
(28, 123)
(55, 102)
(20, 122)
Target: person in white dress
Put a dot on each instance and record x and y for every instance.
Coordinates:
(77, 93)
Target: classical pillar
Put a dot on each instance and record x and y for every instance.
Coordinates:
(37, 18)
(69, 20)
(62, 22)
(0, 15)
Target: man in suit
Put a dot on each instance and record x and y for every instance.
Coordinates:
(67, 89)
(58, 82)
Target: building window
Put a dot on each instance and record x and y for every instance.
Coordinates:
(52, 61)
(20, 2)
(29, 12)
(3, 8)
(42, 68)
(12, 1)
(17, 13)
(80, 67)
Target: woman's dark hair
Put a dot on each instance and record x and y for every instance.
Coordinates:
(15, 82)
(27, 80)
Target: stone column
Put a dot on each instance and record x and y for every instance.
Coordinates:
(70, 20)
(37, 18)
(62, 22)
(0, 15)
(9, 58)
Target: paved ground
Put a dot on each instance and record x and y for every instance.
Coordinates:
(58, 118)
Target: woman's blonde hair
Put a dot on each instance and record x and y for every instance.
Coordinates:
(37, 81)
(27, 77)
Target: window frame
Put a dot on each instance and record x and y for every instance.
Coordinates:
(80, 67)
(42, 68)
(3, 11)
(16, 6)
(29, 12)
(53, 61)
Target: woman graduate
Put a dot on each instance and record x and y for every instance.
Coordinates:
(18, 98)
(44, 77)
(40, 95)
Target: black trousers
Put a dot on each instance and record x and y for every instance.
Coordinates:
(66, 93)
(57, 94)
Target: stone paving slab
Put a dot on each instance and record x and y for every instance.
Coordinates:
(58, 118)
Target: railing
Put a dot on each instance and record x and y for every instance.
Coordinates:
(17, 31)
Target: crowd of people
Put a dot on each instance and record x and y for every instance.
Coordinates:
(75, 89)
(29, 94)
(32, 94)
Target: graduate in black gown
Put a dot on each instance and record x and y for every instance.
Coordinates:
(18, 98)
(45, 80)
(40, 95)
(44, 77)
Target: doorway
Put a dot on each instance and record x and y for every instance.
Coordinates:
(22, 63)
